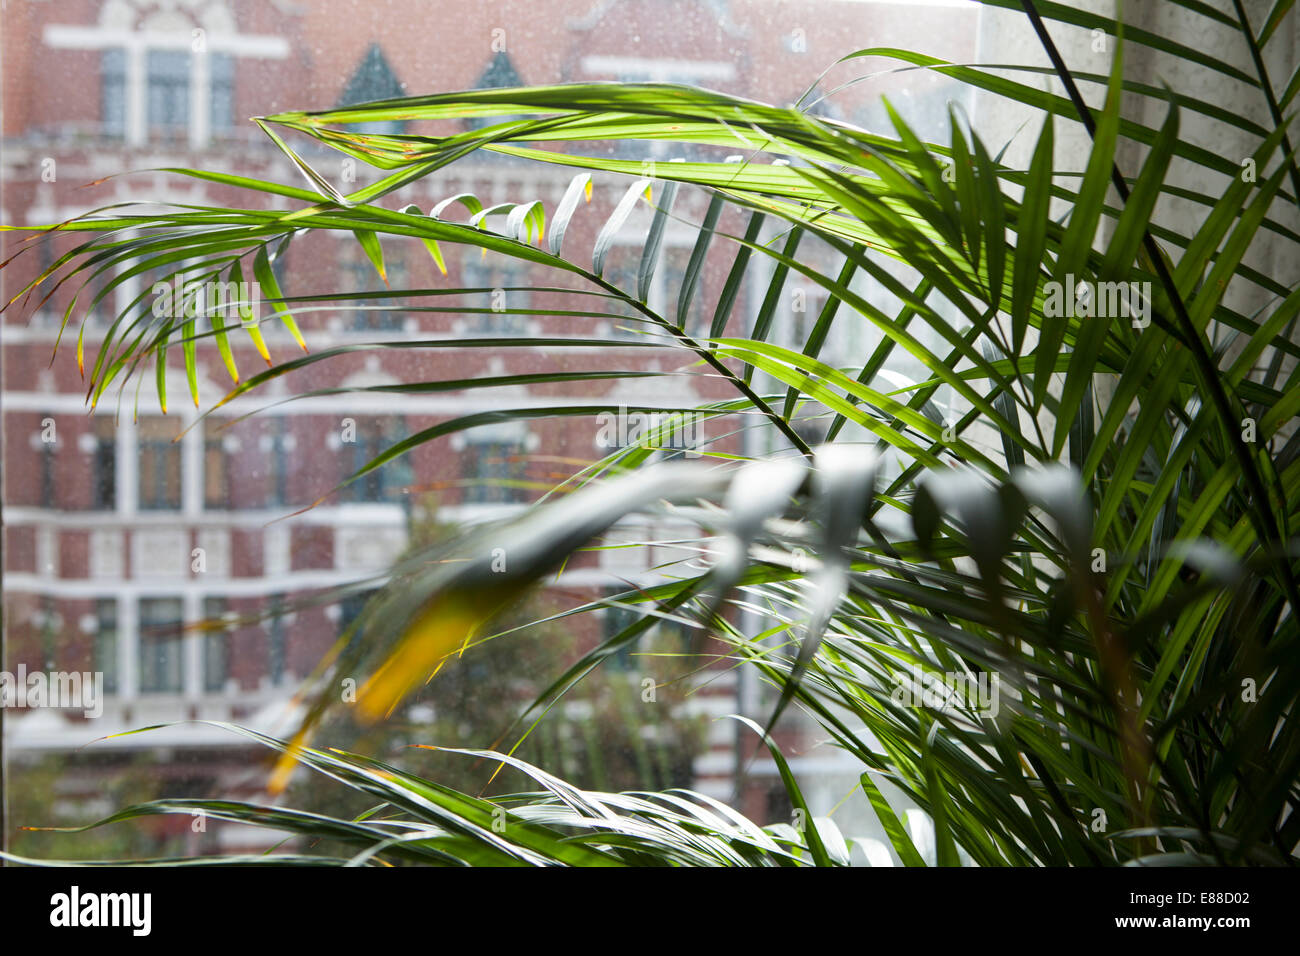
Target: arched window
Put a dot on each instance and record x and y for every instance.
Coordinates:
(168, 75)
(500, 74)
(373, 80)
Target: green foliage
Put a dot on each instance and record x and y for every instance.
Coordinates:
(415, 821)
(1138, 607)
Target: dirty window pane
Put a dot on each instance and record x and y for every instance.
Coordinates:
(492, 469)
(205, 560)
(105, 653)
(113, 92)
(159, 464)
(168, 89)
(216, 645)
(160, 645)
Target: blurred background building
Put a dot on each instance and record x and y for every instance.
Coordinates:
(126, 529)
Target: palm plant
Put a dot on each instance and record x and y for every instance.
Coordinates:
(419, 822)
(1105, 528)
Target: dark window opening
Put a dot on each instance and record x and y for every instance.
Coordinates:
(373, 80)
(160, 465)
(167, 92)
(368, 314)
(112, 100)
(500, 74)
(350, 609)
(105, 649)
(276, 633)
(494, 471)
(216, 470)
(103, 469)
(221, 92)
(160, 646)
(617, 619)
(216, 645)
(49, 489)
(387, 482)
(502, 296)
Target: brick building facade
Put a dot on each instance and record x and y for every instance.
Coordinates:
(116, 532)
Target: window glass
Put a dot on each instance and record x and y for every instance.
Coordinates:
(373, 436)
(221, 75)
(618, 618)
(48, 445)
(216, 645)
(621, 267)
(494, 470)
(276, 630)
(500, 73)
(216, 468)
(103, 469)
(359, 275)
(168, 90)
(160, 646)
(159, 464)
(197, 558)
(502, 281)
(105, 652)
(112, 78)
(373, 80)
